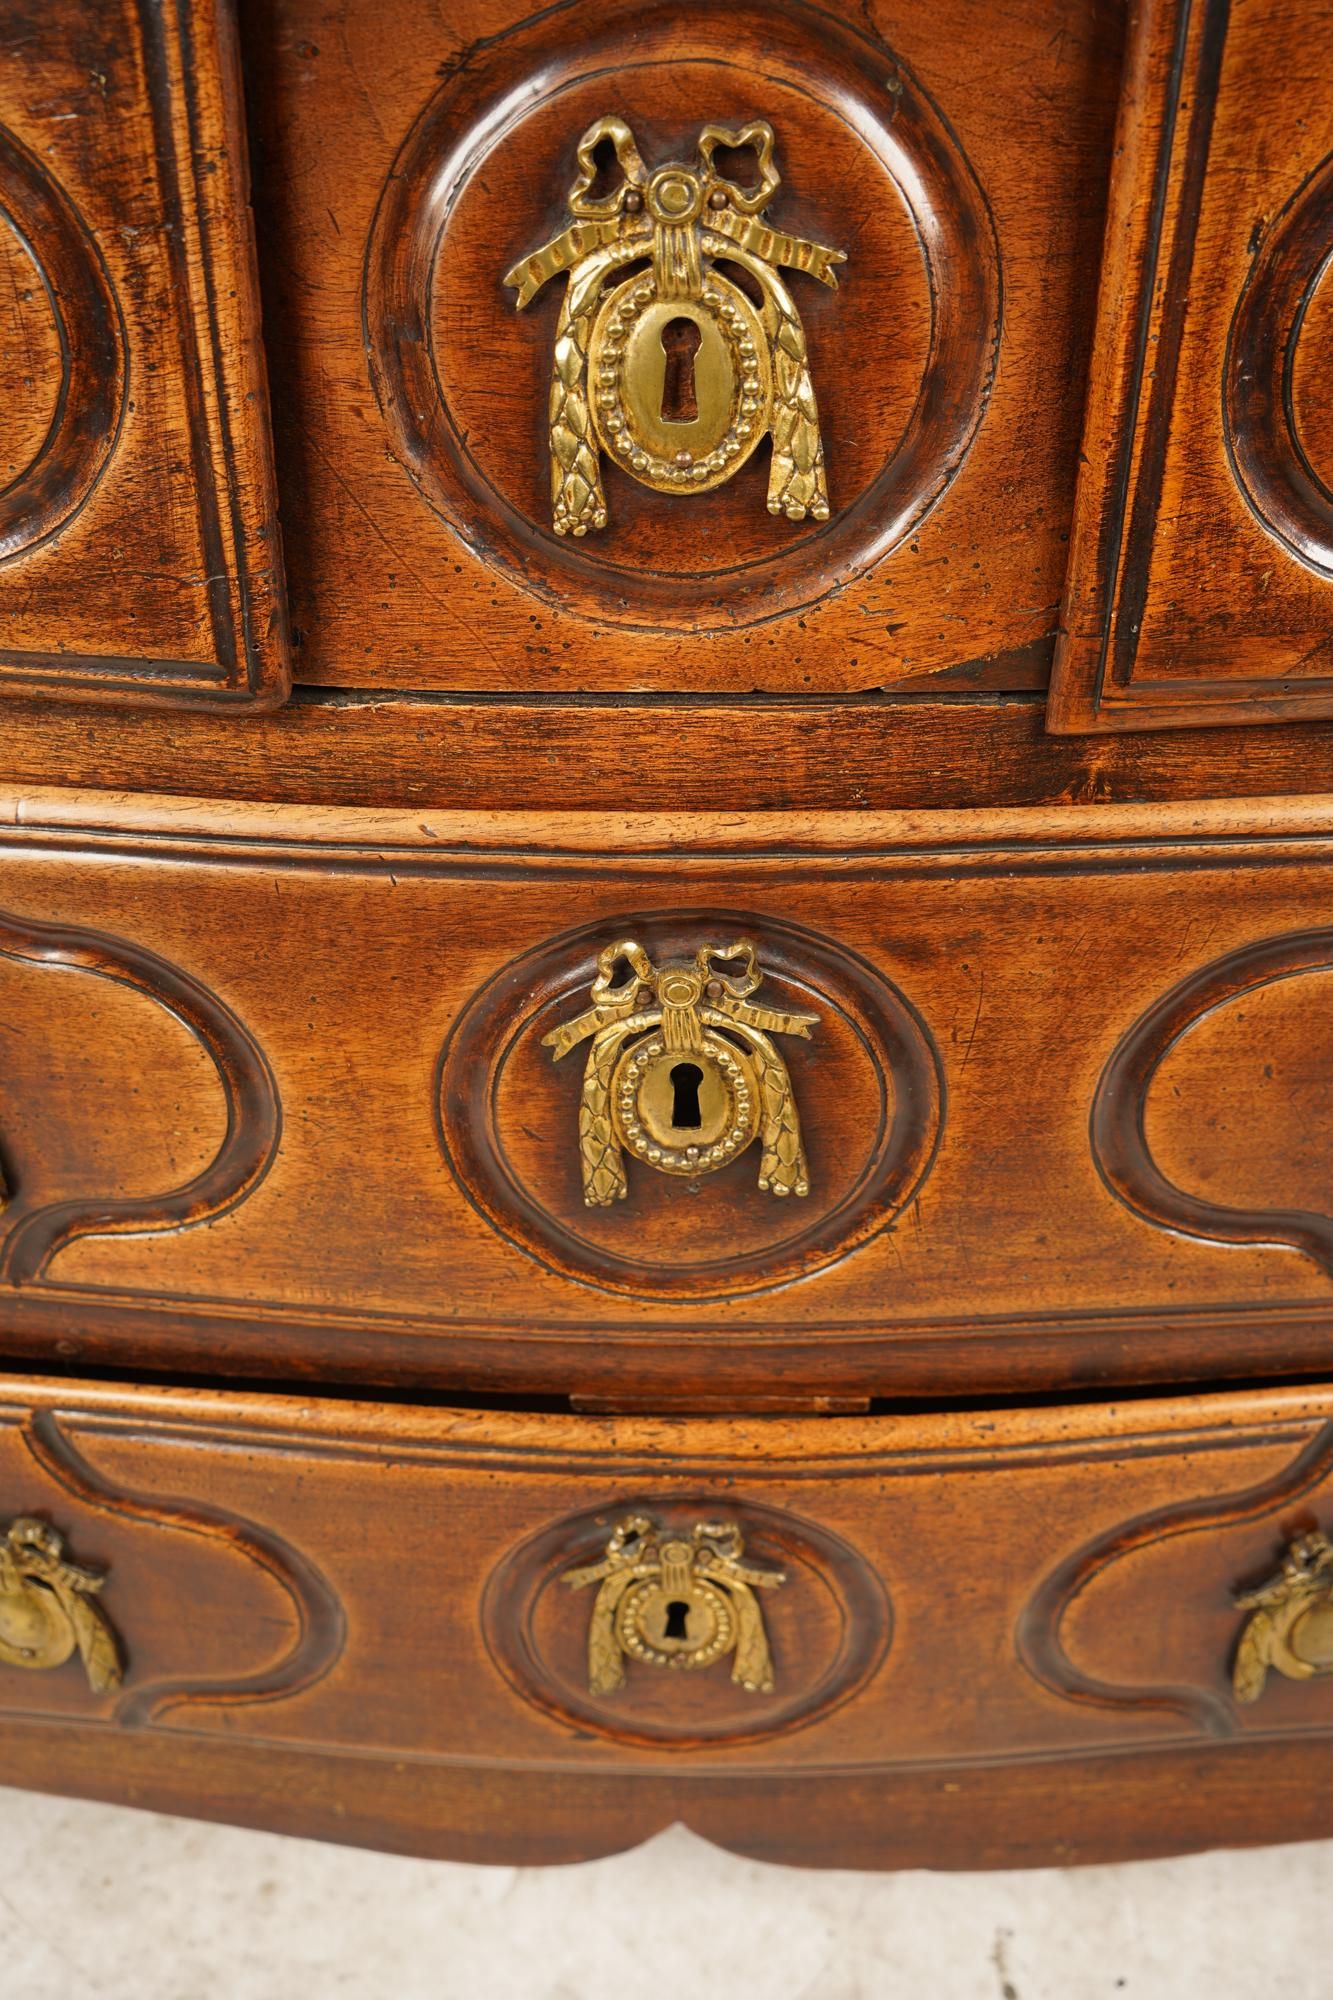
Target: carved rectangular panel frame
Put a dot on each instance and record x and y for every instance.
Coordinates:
(139, 552)
(413, 400)
(1200, 587)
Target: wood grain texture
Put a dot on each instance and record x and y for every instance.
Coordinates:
(892, 142)
(871, 753)
(954, 1525)
(1200, 585)
(1241, 1016)
(360, 1255)
(858, 135)
(1167, 1802)
(32, 368)
(139, 552)
(1181, 1546)
(43, 1217)
(212, 1611)
(73, 400)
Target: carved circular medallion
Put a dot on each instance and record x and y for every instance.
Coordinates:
(864, 1083)
(31, 361)
(901, 342)
(86, 399)
(827, 1628)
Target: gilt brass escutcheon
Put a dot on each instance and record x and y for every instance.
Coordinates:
(682, 1072)
(47, 1607)
(677, 1601)
(1290, 1628)
(672, 369)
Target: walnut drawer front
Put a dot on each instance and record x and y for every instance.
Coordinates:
(421, 231)
(295, 1092)
(332, 1616)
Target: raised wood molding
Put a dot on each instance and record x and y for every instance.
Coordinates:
(140, 559)
(1200, 585)
(948, 365)
(1205, 1706)
(886, 141)
(886, 1056)
(833, 1628)
(1262, 424)
(195, 1551)
(89, 398)
(1119, 1141)
(452, 1682)
(30, 1236)
(981, 920)
(293, 925)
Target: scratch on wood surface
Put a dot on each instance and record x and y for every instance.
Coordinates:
(972, 1036)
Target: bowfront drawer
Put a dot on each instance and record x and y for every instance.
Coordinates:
(517, 1636)
(670, 1109)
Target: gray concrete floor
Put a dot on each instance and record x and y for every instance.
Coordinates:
(119, 1905)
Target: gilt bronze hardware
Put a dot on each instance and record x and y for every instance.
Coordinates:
(676, 1601)
(745, 365)
(1290, 1627)
(682, 1072)
(47, 1607)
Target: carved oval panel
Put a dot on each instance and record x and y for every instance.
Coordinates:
(75, 379)
(828, 1629)
(867, 162)
(31, 364)
(209, 1610)
(87, 1080)
(867, 1086)
(77, 1055)
(1311, 380)
(1142, 1620)
(1213, 1115)
(1279, 415)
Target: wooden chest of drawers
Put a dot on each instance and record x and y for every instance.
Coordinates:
(663, 925)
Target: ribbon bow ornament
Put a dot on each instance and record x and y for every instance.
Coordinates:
(683, 1030)
(673, 1600)
(645, 255)
(48, 1606)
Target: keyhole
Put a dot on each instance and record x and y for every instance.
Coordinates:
(685, 1081)
(681, 340)
(677, 1619)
